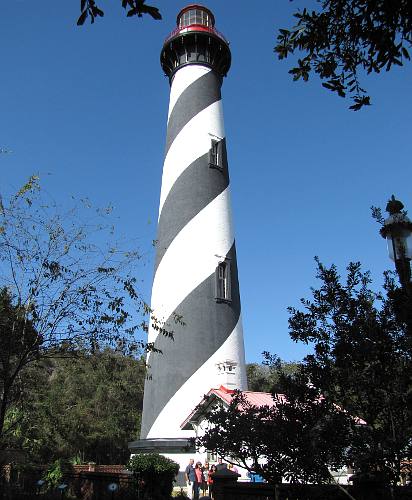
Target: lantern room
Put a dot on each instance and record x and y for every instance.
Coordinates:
(195, 14)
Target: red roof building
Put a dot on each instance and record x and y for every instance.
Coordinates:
(224, 395)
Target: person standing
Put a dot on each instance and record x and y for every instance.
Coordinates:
(212, 471)
(220, 465)
(190, 478)
(198, 480)
(205, 477)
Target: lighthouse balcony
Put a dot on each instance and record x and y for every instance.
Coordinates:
(199, 28)
(195, 45)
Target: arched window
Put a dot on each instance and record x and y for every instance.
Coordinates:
(223, 282)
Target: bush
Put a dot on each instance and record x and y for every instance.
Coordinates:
(54, 474)
(155, 475)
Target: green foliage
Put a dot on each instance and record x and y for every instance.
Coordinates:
(54, 474)
(344, 37)
(264, 378)
(77, 459)
(155, 474)
(362, 362)
(86, 408)
(20, 344)
(31, 185)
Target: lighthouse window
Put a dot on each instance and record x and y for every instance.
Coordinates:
(184, 20)
(194, 16)
(215, 154)
(198, 17)
(223, 289)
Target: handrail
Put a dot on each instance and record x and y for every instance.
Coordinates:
(211, 29)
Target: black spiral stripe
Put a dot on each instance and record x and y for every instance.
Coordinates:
(207, 326)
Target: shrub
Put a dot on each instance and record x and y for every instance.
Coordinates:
(155, 475)
(54, 474)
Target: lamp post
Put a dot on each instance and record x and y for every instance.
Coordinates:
(397, 230)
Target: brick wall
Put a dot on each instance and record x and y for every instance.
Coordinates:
(91, 467)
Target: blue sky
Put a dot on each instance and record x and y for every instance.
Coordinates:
(86, 108)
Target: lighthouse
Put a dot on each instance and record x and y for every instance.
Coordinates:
(195, 275)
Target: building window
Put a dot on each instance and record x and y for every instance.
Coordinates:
(223, 280)
(216, 154)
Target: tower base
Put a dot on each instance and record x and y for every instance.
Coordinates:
(162, 445)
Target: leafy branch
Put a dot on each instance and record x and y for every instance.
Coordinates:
(346, 37)
(90, 10)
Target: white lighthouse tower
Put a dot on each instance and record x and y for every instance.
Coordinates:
(195, 270)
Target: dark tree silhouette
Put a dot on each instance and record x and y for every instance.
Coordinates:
(297, 438)
(90, 10)
(349, 402)
(361, 362)
(345, 37)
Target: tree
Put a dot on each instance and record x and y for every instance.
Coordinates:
(89, 9)
(87, 407)
(17, 337)
(361, 362)
(296, 438)
(350, 402)
(68, 287)
(265, 377)
(346, 37)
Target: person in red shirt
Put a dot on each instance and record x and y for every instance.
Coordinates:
(198, 480)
